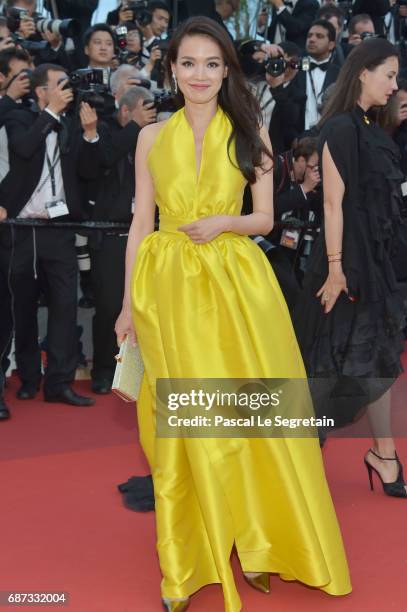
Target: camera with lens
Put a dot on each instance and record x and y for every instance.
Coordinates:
(276, 66)
(163, 100)
(158, 72)
(121, 39)
(248, 47)
(367, 35)
(28, 98)
(141, 14)
(91, 85)
(66, 28)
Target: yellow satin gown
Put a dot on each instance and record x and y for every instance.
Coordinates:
(216, 310)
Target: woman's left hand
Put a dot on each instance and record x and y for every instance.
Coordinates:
(206, 229)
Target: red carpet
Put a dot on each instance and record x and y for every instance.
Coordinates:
(64, 527)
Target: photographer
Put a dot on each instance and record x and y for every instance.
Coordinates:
(156, 14)
(298, 199)
(81, 11)
(377, 9)
(360, 27)
(99, 46)
(321, 40)
(14, 85)
(22, 21)
(270, 70)
(45, 153)
(15, 65)
(132, 51)
(289, 100)
(334, 15)
(122, 79)
(113, 167)
(6, 41)
(291, 22)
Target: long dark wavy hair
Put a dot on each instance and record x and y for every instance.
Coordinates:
(235, 97)
(370, 54)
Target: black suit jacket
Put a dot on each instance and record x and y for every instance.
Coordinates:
(300, 82)
(7, 105)
(283, 128)
(27, 130)
(112, 166)
(296, 23)
(203, 7)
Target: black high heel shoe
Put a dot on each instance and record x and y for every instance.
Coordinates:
(394, 489)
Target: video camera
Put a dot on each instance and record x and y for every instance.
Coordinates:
(91, 85)
(141, 14)
(67, 28)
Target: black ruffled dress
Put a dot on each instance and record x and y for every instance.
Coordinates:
(357, 346)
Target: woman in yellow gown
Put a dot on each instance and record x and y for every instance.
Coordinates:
(205, 304)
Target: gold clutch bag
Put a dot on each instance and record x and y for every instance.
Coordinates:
(129, 371)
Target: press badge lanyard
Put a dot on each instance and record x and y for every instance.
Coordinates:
(51, 167)
(313, 88)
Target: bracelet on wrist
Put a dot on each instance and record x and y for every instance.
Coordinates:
(334, 260)
(334, 254)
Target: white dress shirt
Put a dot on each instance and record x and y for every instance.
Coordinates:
(315, 82)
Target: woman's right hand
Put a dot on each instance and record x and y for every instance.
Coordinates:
(125, 327)
(332, 288)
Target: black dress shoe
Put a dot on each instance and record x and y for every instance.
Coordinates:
(142, 484)
(27, 391)
(102, 386)
(137, 503)
(4, 411)
(68, 396)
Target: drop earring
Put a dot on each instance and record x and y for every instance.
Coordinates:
(175, 83)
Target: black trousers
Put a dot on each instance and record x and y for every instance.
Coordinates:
(6, 319)
(107, 269)
(50, 254)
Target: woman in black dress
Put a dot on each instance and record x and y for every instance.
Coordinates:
(354, 341)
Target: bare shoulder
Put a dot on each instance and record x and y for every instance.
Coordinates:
(148, 135)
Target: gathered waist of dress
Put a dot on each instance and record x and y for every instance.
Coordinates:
(170, 223)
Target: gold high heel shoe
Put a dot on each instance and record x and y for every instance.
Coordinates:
(260, 582)
(174, 605)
